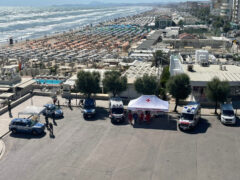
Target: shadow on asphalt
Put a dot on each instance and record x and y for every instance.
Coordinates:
(124, 123)
(28, 136)
(162, 123)
(202, 127)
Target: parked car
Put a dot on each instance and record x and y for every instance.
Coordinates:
(227, 115)
(116, 110)
(25, 125)
(89, 108)
(190, 116)
(50, 109)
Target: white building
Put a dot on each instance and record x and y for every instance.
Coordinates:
(235, 11)
(9, 75)
(202, 57)
(137, 69)
(200, 76)
(225, 9)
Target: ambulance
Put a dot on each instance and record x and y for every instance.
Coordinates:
(116, 110)
(190, 116)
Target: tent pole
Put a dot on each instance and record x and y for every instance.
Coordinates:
(168, 117)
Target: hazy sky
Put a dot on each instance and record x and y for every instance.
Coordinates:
(59, 2)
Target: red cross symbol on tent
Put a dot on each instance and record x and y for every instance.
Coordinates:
(148, 100)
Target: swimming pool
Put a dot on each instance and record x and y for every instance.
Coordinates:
(48, 81)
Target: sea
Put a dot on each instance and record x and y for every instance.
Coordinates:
(22, 23)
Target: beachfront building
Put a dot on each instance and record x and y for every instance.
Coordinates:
(225, 10)
(163, 21)
(153, 38)
(12, 85)
(9, 75)
(202, 57)
(137, 69)
(171, 32)
(235, 11)
(201, 75)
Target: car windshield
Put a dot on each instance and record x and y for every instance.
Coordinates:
(117, 110)
(187, 116)
(228, 113)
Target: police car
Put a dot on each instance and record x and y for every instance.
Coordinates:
(190, 116)
(50, 109)
(89, 108)
(25, 125)
(116, 110)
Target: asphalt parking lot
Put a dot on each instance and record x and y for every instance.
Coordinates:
(97, 149)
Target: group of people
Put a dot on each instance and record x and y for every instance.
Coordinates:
(139, 117)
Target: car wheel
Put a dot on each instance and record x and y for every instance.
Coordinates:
(112, 121)
(14, 131)
(34, 132)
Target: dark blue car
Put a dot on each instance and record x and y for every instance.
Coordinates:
(89, 108)
(24, 125)
(51, 109)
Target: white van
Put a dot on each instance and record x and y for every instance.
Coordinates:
(227, 115)
(116, 110)
(190, 116)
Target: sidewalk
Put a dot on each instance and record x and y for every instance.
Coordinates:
(2, 148)
(105, 104)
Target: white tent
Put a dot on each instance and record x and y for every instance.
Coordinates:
(148, 103)
(32, 110)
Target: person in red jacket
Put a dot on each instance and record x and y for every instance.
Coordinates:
(148, 117)
(130, 117)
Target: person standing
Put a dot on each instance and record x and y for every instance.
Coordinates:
(148, 117)
(47, 122)
(54, 100)
(135, 117)
(9, 108)
(51, 128)
(130, 117)
(58, 104)
(141, 118)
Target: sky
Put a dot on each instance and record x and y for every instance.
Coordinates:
(60, 2)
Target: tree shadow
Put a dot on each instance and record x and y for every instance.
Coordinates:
(201, 127)
(28, 136)
(163, 122)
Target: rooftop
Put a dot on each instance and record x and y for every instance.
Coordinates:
(138, 69)
(201, 75)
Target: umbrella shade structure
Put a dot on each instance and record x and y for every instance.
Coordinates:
(148, 103)
(32, 110)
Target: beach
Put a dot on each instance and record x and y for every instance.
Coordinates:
(86, 45)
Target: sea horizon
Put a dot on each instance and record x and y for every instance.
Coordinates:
(25, 23)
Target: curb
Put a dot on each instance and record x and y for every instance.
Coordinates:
(4, 135)
(2, 148)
